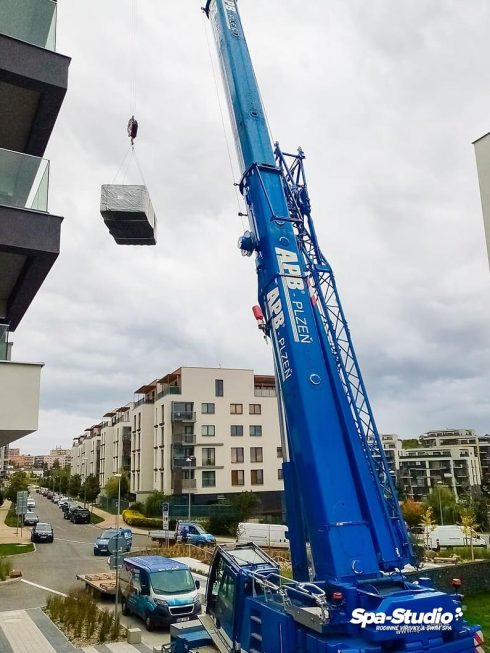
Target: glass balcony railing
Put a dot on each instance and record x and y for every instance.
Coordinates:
(24, 180)
(32, 21)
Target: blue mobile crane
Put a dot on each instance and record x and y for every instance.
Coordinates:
(348, 591)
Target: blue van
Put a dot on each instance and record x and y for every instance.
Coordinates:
(101, 544)
(159, 590)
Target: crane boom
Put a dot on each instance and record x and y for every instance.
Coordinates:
(339, 493)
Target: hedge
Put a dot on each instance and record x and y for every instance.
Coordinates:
(134, 518)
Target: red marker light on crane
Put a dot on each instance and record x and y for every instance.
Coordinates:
(257, 311)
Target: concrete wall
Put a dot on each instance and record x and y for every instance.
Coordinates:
(19, 399)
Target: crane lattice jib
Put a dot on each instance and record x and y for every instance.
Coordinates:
(325, 295)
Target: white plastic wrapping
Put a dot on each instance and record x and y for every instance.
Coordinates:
(128, 214)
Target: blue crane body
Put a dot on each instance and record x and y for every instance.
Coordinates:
(348, 593)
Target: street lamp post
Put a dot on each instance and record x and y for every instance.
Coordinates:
(118, 476)
(84, 464)
(439, 483)
(189, 469)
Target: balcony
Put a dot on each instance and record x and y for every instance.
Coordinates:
(145, 400)
(24, 181)
(184, 439)
(32, 21)
(169, 390)
(188, 484)
(183, 416)
(19, 400)
(180, 462)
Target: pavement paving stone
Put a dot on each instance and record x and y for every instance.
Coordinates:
(23, 634)
(51, 632)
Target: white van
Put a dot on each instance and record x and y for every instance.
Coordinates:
(451, 535)
(263, 534)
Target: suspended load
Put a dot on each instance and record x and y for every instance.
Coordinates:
(127, 209)
(128, 214)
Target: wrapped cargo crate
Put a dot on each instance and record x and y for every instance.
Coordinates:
(128, 214)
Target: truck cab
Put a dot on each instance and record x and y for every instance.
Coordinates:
(195, 534)
(159, 590)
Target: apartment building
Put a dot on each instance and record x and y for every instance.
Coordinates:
(85, 453)
(33, 83)
(204, 432)
(115, 444)
(209, 433)
(456, 458)
(63, 456)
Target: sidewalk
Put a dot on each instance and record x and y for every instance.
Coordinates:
(7, 533)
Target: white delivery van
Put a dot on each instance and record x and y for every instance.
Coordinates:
(451, 535)
(263, 534)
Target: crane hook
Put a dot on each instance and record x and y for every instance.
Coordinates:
(132, 129)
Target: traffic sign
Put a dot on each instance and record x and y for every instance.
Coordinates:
(21, 504)
(165, 515)
(116, 561)
(116, 544)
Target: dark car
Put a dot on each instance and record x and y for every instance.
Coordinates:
(42, 532)
(67, 507)
(80, 515)
(30, 519)
(101, 546)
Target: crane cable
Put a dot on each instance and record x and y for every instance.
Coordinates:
(239, 199)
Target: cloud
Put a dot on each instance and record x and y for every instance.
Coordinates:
(385, 104)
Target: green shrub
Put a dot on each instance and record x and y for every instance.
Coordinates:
(133, 518)
(222, 525)
(137, 506)
(153, 504)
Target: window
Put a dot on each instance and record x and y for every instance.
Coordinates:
(208, 479)
(256, 454)
(255, 429)
(208, 456)
(208, 429)
(236, 429)
(279, 474)
(237, 455)
(254, 409)
(257, 477)
(207, 409)
(279, 452)
(237, 477)
(218, 387)
(236, 409)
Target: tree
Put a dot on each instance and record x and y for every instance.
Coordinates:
(468, 524)
(410, 443)
(153, 504)
(428, 524)
(111, 488)
(412, 512)
(441, 499)
(90, 489)
(75, 485)
(18, 483)
(245, 504)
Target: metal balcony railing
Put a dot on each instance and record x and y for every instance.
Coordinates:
(183, 416)
(24, 180)
(32, 21)
(169, 390)
(184, 438)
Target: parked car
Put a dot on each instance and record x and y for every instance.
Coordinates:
(80, 515)
(30, 519)
(49, 494)
(68, 508)
(30, 503)
(56, 498)
(101, 545)
(63, 501)
(159, 590)
(42, 532)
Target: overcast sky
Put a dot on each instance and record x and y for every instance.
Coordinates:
(384, 97)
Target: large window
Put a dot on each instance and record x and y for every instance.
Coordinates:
(254, 409)
(237, 455)
(207, 409)
(236, 429)
(255, 429)
(208, 429)
(256, 454)
(257, 477)
(209, 479)
(208, 456)
(237, 477)
(236, 409)
(218, 387)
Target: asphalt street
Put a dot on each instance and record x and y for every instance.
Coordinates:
(54, 567)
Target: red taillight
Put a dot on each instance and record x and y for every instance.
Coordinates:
(338, 597)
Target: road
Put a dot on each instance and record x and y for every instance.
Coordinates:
(54, 567)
